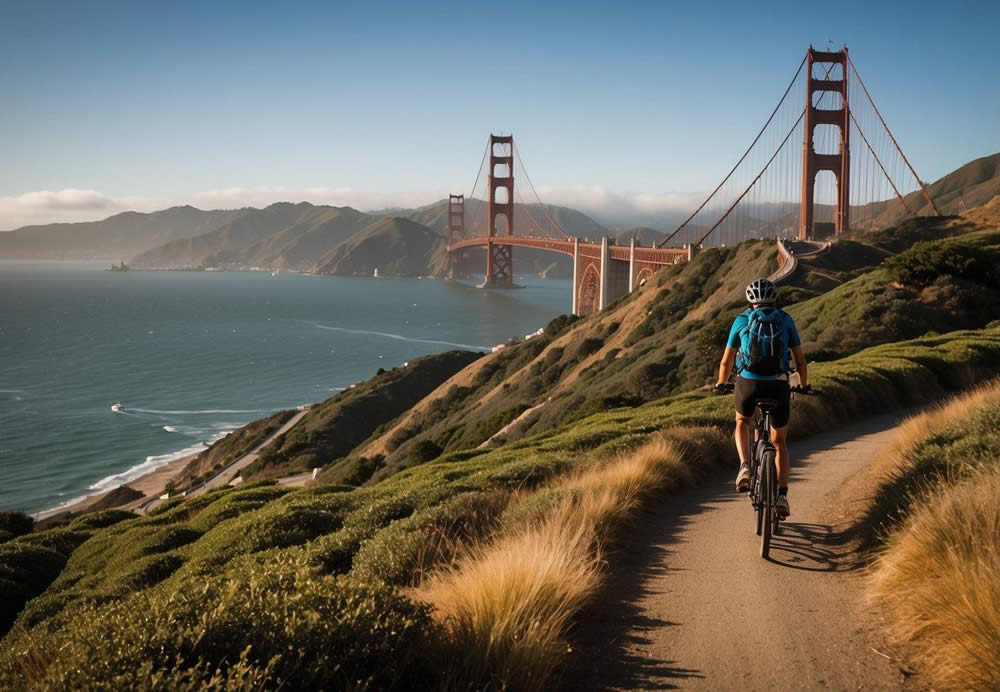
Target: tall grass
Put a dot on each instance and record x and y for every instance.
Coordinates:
(507, 606)
(940, 446)
(940, 583)
(938, 578)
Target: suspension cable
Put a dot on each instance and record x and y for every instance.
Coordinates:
(517, 153)
(754, 182)
(895, 143)
(878, 161)
(745, 154)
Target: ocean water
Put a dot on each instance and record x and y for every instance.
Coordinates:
(193, 355)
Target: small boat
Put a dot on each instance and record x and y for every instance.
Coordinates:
(375, 273)
(116, 407)
(274, 273)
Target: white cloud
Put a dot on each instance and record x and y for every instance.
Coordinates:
(599, 200)
(69, 205)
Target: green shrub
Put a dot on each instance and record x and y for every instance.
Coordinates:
(62, 539)
(589, 345)
(99, 520)
(16, 523)
(278, 625)
(25, 571)
(399, 553)
(923, 263)
(424, 451)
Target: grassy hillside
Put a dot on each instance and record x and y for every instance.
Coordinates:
(395, 246)
(937, 577)
(222, 245)
(117, 237)
(934, 286)
(299, 246)
(971, 185)
(645, 346)
(333, 428)
(263, 586)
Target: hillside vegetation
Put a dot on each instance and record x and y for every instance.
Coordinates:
(266, 586)
(395, 246)
(934, 286)
(938, 573)
(117, 237)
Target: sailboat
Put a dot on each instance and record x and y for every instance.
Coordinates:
(375, 273)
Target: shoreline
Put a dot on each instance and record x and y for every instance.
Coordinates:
(151, 484)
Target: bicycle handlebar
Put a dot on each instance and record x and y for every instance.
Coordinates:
(728, 387)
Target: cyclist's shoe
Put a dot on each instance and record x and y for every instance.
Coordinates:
(782, 508)
(743, 479)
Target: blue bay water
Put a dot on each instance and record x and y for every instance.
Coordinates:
(193, 355)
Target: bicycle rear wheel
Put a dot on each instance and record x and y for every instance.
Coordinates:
(756, 496)
(768, 492)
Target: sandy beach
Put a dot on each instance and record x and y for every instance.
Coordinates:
(152, 484)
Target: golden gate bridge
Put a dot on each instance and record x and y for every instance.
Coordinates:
(824, 163)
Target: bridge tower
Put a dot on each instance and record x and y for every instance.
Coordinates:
(456, 218)
(456, 228)
(499, 259)
(812, 162)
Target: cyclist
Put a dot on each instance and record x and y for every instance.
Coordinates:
(758, 344)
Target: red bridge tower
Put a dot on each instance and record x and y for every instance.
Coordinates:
(499, 260)
(456, 218)
(812, 162)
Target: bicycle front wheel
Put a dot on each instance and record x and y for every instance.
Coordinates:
(768, 492)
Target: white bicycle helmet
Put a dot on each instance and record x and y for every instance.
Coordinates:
(762, 292)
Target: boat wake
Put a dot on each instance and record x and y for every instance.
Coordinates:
(161, 412)
(400, 337)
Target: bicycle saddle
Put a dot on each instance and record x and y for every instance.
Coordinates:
(767, 404)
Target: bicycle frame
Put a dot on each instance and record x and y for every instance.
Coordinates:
(763, 477)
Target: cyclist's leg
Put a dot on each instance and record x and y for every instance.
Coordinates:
(779, 430)
(779, 436)
(743, 400)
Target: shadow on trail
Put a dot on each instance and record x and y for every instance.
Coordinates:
(814, 548)
(610, 635)
(615, 623)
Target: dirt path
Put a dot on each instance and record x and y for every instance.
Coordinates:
(691, 604)
(227, 474)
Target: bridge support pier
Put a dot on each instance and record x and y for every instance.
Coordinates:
(631, 265)
(600, 278)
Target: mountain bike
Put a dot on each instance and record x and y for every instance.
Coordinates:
(763, 491)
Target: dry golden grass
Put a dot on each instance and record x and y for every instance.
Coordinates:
(506, 606)
(898, 457)
(939, 580)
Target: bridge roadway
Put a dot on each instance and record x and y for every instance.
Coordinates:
(647, 255)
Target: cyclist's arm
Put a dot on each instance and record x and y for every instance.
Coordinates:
(726, 365)
(801, 366)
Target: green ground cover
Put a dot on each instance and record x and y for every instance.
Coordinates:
(279, 572)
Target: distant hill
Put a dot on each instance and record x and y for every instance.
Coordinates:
(644, 235)
(300, 245)
(393, 245)
(226, 244)
(969, 186)
(117, 237)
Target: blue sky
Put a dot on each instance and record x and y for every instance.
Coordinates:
(110, 105)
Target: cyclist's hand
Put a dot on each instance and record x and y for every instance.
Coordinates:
(722, 388)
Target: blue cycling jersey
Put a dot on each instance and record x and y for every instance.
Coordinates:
(740, 340)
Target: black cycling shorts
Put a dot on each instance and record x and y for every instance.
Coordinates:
(746, 393)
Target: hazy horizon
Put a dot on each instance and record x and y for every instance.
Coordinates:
(617, 114)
